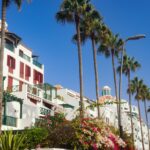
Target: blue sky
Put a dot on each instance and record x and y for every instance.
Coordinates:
(37, 26)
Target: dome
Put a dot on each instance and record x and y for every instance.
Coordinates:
(106, 87)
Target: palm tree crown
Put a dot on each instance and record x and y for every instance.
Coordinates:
(71, 10)
(129, 64)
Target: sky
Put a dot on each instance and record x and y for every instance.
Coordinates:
(35, 23)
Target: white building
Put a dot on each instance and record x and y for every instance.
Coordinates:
(72, 103)
(26, 96)
(109, 112)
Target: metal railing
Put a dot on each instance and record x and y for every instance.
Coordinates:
(9, 47)
(45, 111)
(24, 56)
(36, 63)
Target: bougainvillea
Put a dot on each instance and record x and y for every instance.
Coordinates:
(95, 134)
(81, 134)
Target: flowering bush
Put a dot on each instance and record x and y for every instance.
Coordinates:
(94, 134)
(80, 134)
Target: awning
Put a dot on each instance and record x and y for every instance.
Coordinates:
(67, 106)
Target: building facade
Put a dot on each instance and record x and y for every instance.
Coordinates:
(26, 96)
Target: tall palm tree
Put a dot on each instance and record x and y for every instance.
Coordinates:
(110, 46)
(90, 27)
(71, 11)
(146, 96)
(5, 4)
(136, 87)
(129, 65)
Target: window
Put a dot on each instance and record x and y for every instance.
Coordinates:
(37, 77)
(20, 53)
(11, 63)
(21, 70)
(27, 72)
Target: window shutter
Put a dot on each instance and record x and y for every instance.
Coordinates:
(29, 71)
(41, 78)
(14, 63)
(8, 61)
(21, 70)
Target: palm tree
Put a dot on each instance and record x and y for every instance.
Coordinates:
(5, 4)
(146, 96)
(71, 11)
(136, 87)
(110, 46)
(90, 27)
(129, 65)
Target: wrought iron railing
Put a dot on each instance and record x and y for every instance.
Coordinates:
(10, 121)
(45, 111)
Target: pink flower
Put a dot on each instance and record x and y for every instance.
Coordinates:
(95, 129)
(95, 146)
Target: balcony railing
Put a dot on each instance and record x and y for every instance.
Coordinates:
(15, 88)
(45, 111)
(24, 56)
(36, 63)
(10, 121)
(9, 47)
(33, 90)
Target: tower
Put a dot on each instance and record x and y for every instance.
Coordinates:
(106, 91)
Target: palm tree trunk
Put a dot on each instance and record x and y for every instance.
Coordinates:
(120, 92)
(77, 21)
(115, 81)
(96, 75)
(145, 107)
(1, 57)
(141, 124)
(131, 109)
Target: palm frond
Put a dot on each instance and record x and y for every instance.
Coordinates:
(64, 16)
(103, 49)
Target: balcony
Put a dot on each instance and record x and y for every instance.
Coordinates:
(33, 90)
(15, 88)
(44, 111)
(24, 56)
(10, 121)
(36, 63)
(9, 46)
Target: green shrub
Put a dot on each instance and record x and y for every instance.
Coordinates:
(34, 136)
